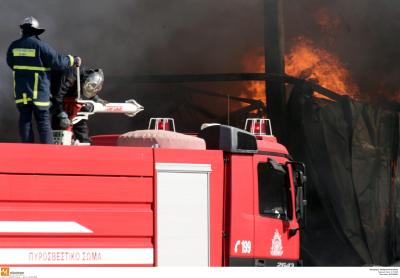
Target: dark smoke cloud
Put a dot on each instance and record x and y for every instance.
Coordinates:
(127, 37)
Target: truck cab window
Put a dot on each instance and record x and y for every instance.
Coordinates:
(274, 190)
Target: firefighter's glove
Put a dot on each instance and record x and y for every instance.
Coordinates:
(65, 122)
(77, 61)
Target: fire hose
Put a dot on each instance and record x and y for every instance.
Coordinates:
(89, 107)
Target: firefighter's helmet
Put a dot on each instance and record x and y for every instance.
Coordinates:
(30, 24)
(92, 82)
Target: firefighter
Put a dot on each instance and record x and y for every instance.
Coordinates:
(64, 100)
(32, 60)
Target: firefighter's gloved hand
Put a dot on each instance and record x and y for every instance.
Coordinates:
(65, 122)
(77, 61)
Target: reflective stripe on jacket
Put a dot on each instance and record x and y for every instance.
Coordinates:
(31, 61)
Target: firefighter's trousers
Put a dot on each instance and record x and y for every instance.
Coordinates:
(42, 120)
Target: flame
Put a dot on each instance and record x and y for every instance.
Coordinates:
(312, 63)
(305, 61)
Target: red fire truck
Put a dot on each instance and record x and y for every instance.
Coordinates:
(227, 197)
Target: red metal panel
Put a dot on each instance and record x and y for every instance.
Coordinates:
(266, 144)
(216, 209)
(101, 219)
(105, 140)
(75, 188)
(93, 199)
(187, 156)
(215, 159)
(71, 160)
(241, 229)
(155, 219)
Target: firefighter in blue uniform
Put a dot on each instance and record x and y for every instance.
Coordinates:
(32, 61)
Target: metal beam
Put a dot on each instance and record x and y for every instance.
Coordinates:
(275, 64)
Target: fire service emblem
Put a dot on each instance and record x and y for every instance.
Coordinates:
(276, 245)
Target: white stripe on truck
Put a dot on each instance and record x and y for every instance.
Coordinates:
(42, 227)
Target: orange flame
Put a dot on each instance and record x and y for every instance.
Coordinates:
(313, 63)
(308, 62)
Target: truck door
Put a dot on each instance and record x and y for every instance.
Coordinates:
(240, 221)
(274, 214)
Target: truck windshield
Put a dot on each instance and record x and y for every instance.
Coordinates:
(274, 191)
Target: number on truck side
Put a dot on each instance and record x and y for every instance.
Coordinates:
(244, 246)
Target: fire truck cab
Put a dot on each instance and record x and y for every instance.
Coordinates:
(264, 204)
(228, 197)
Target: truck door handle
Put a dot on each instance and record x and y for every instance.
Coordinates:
(293, 232)
(259, 262)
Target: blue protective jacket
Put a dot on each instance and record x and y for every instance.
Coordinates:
(31, 61)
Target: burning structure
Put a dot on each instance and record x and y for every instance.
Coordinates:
(339, 114)
(350, 142)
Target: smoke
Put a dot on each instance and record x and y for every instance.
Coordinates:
(127, 37)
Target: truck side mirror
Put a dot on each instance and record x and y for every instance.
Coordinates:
(301, 201)
(300, 180)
